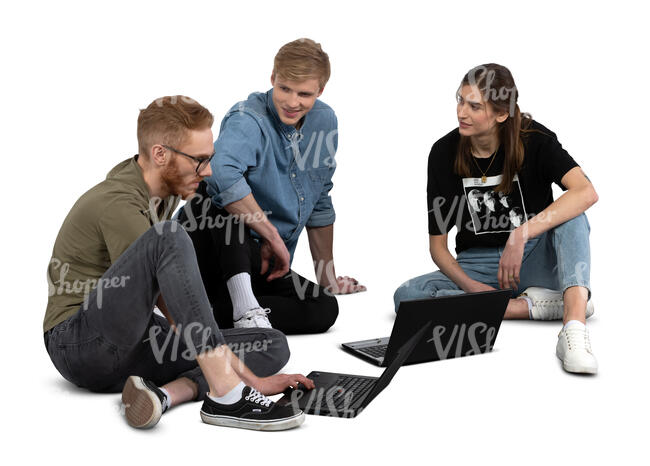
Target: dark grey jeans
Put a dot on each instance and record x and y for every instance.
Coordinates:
(115, 333)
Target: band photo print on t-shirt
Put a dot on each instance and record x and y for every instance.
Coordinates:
(493, 211)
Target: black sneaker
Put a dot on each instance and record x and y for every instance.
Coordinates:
(143, 402)
(253, 411)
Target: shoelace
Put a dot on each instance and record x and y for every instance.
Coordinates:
(256, 397)
(556, 306)
(257, 312)
(554, 302)
(576, 336)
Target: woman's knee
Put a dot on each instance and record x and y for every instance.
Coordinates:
(576, 226)
(414, 288)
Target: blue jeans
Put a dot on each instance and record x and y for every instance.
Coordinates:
(557, 259)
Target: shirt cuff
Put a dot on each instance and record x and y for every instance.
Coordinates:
(321, 218)
(234, 193)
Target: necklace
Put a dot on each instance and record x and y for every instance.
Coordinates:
(484, 173)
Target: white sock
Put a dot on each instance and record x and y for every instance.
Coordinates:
(574, 322)
(530, 306)
(241, 294)
(233, 396)
(168, 400)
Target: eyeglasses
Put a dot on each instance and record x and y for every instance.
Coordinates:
(201, 161)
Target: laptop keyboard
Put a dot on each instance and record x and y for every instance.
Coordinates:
(378, 351)
(345, 390)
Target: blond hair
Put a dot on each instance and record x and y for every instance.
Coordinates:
(300, 60)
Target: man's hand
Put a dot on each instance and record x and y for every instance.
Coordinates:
(346, 285)
(272, 244)
(278, 383)
(321, 240)
(278, 250)
(510, 263)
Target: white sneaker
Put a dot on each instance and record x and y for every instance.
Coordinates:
(574, 350)
(254, 318)
(549, 304)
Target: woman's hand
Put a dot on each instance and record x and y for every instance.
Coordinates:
(510, 263)
(477, 287)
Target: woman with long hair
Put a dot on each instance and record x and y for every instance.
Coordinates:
(533, 244)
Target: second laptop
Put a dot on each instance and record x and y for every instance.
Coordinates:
(462, 325)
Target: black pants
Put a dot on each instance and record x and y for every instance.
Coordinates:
(224, 247)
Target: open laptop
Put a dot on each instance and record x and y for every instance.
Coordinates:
(345, 395)
(462, 325)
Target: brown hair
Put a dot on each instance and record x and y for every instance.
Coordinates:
(497, 86)
(167, 119)
(300, 60)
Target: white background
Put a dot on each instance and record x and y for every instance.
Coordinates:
(73, 79)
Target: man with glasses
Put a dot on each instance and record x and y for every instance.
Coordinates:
(273, 167)
(201, 162)
(117, 255)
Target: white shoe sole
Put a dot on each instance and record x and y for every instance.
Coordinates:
(576, 369)
(271, 425)
(141, 406)
(240, 324)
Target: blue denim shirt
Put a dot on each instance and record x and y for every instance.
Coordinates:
(288, 171)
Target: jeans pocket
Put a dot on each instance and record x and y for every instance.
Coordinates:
(58, 360)
(92, 364)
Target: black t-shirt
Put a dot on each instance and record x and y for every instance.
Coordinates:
(486, 217)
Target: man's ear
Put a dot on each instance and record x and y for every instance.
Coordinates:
(158, 154)
(272, 78)
(320, 92)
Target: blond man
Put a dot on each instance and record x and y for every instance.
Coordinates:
(273, 166)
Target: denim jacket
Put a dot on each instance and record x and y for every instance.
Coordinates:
(288, 171)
